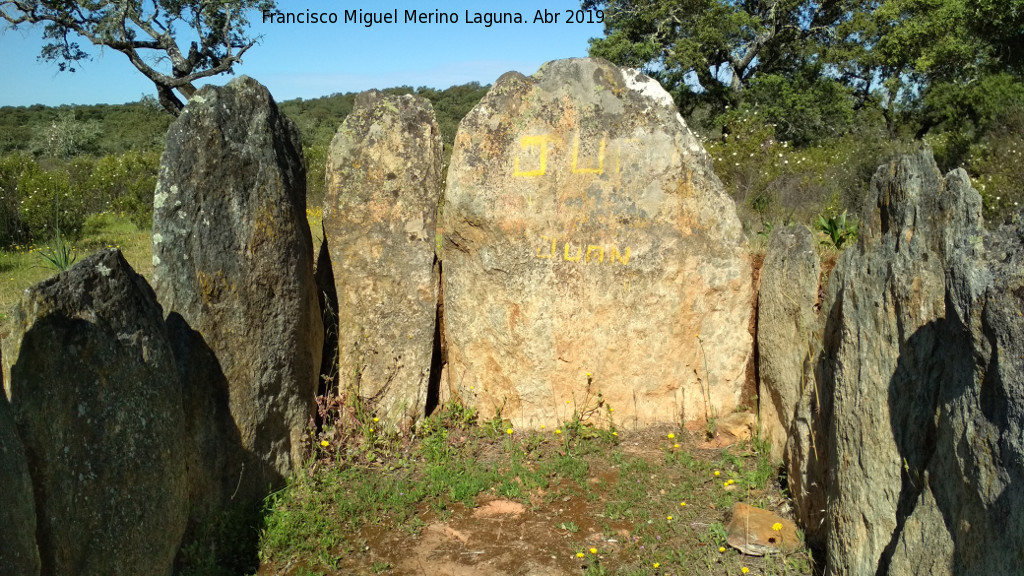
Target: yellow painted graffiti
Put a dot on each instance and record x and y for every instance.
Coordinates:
(576, 154)
(577, 257)
(549, 255)
(616, 256)
(536, 147)
(576, 253)
(538, 141)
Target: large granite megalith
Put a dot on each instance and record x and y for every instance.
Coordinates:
(585, 233)
(918, 386)
(97, 403)
(233, 268)
(383, 186)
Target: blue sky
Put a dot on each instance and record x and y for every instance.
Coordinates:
(309, 60)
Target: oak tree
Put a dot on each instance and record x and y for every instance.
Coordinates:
(172, 42)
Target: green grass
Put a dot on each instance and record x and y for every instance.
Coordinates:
(23, 266)
(331, 516)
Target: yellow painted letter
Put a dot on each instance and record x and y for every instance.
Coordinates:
(598, 249)
(538, 141)
(546, 256)
(616, 256)
(575, 158)
(577, 257)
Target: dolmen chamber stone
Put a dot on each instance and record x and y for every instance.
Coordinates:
(233, 269)
(383, 187)
(590, 249)
(96, 400)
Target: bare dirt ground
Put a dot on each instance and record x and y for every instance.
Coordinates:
(572, 528)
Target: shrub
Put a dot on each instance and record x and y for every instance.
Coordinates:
(995, 166)
(775, 182)
(47, 202)
(124, 184)
(316, 175)
(12, 228)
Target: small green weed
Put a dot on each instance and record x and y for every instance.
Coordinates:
(838, 230)
(59, 254)
(570, 527)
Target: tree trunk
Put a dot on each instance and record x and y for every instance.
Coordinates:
(169, 101)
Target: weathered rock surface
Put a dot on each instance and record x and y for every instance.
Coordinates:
(586, 233)
(888, 290)
(921, 379)
(233, 266)
(97, 403)
(785, 323)
(752, 531)
(738, 425)
(976, 470)
(19, 553)
(383, 187)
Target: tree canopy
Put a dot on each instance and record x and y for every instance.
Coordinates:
(812, 65)
(197, 38)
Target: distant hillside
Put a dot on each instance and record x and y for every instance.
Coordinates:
(102, 129)
(96, 130)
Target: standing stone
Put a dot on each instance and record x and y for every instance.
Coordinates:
(233, 266)
(585, 233)
(921, 379)
(97, 403)
(972, 483)
(19, 553)
(888, 289)
(785, 323)
(383, 186)
(883, 291)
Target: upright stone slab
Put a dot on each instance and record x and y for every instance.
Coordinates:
(887, 290)
(233, 262)
(383, 186)
(785, 324)
(97, 402)
(919, 381)
(585, 233)
(19, 553)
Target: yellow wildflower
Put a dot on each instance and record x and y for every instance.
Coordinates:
(777, 527)
(579, 554)
(593, 550)
(669, 517)
(656, 565)
(671, 436)
(721, 548)
(325, 443)
(716, 473)
(744, 569)
(509, 431)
